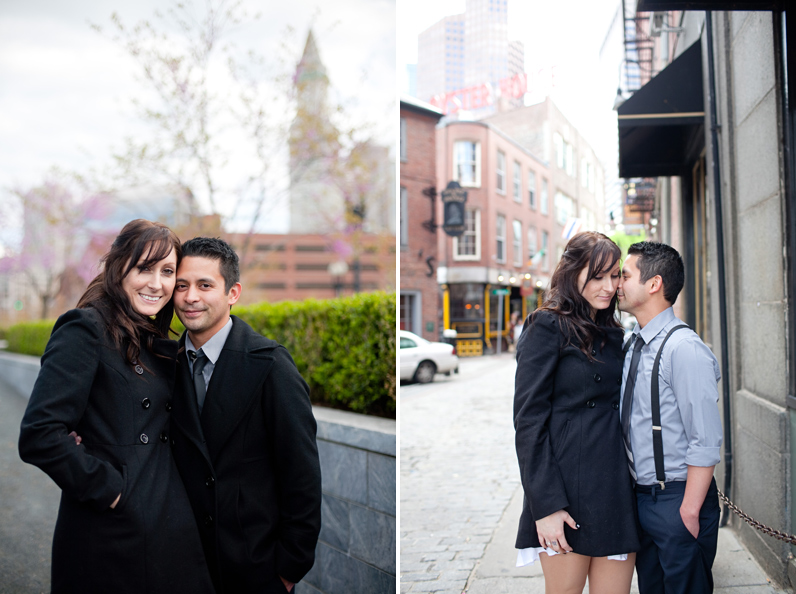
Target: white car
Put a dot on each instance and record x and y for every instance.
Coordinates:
(421, 359)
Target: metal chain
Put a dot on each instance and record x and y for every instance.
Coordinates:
(789, 538)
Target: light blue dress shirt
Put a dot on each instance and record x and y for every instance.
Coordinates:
(212, 350)
(689, 373)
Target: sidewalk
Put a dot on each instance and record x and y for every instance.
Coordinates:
(734, 571)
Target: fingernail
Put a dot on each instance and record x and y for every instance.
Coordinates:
(577, 525)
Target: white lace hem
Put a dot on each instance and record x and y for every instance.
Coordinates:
(530, 555)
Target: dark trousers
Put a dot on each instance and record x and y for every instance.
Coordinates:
(671, 560)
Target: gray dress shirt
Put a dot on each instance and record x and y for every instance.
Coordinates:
(689, 373)
(212, 350)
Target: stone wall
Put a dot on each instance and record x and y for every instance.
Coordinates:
(356, 551)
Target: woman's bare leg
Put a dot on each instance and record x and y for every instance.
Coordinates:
(609, 576)
(564, 574)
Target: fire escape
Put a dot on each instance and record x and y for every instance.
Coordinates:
(637, 66)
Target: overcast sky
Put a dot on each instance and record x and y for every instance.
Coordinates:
(567, 35)
(65, 90)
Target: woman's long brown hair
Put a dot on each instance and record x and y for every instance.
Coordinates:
(597, 252)
(138, 239)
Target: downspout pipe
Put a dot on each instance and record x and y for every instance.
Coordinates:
(725, 353)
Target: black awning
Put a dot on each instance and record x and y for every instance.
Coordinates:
(657, 125)
(661, 5)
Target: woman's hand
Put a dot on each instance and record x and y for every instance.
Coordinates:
(551, 531)
(115, 501)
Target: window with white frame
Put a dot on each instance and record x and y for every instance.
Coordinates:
(403, 140)
(467, 163)
(545, 256)
(543, 206)
(565, 208)
(404, 219)
(558, 145)
(569, 160)
(531, 242)
(500, 170)
(500, 236)
(467, 246)
(517, 242)
(517, 182)
(532, 189)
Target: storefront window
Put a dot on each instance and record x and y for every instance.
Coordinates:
(467, 301)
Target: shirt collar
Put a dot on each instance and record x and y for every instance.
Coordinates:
(655, 325)
(212, 348)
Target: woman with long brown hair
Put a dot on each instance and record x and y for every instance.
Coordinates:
(107, 374)
(578, 516)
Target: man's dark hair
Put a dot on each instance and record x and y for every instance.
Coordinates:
(216, 249)
(659, 259)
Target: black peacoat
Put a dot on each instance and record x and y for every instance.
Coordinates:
(569, 439)
(149, 542)
(250, 464)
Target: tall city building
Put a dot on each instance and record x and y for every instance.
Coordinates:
(467, 50)
(314, 147)
(440, 58)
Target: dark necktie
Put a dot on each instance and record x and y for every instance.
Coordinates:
(627, 403)
(199, 361)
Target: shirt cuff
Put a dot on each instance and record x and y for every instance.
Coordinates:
(702, 456)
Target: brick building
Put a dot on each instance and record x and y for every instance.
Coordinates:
(508, 221)
(276, 267)
(419, 301)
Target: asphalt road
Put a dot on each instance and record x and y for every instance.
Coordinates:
(28, 508)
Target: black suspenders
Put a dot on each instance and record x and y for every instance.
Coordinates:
(657, 437)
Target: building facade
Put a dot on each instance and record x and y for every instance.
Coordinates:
(576, 178)
(492, 275)
(419, 306)
(280, 267)
(716, 128)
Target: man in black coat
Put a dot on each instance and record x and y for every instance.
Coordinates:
(243, 434)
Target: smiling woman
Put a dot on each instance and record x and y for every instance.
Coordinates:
(107, 375)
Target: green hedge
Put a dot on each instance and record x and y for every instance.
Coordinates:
(344, 348)
(29, 338)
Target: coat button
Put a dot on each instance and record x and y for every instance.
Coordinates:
(210, 482)
(597, 377)
(139, 370)
(168, 407)
(144, 438)
(615, 406)
(145, 403)
(591, 404)
(593, 352)
(164, 438)
(208, 520)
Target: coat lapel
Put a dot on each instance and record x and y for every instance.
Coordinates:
(186, 411)
(237, 379)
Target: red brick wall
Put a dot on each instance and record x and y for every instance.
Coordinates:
(418, 174)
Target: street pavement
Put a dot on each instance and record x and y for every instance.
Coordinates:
(461, 497)
(28, 508)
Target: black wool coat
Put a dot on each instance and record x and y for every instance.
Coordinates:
(569, 439)
(250, 464)
(149, 542)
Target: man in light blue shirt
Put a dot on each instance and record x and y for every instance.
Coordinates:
(676, 494)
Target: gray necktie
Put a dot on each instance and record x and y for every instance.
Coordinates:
(199, 361)
(630, 384)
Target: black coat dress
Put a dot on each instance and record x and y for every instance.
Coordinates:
(569, 439)
(149, 542)
(250, 464)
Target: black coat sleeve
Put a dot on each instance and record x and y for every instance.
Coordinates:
(534, 386)
(58, 401)
(298, 470)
